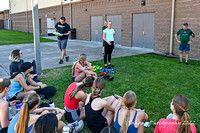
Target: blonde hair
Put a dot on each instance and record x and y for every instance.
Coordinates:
(29, 103)
(181, 105)
(4, 83)
(129, 100)
(82, 57)
(15, 56)
(98, 86)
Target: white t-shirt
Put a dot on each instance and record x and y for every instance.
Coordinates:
(109, 34)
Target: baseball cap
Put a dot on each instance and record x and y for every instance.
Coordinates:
(185, 24)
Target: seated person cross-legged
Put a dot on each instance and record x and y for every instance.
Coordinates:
(99, 111)
(82, 69)
(128, 119)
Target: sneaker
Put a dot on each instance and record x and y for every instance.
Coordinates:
(186, 63)
(42, 97)
(61, 62)
(67, 58)
(179, 62)
(77, 125)
(110, 65)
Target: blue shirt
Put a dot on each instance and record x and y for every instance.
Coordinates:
(131, 128)
(15, 88)
(109, 34)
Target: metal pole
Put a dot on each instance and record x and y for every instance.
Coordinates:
(62, 8)
(36, 32)
(70, 8)
(172, 28)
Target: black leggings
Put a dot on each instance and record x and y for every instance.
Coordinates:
(108, 51)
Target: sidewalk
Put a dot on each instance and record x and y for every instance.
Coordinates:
(50, 54)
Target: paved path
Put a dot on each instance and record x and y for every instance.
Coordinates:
(50, 54)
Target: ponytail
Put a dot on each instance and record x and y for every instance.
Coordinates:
(98, 86)
(181, 105)
(22, 124)
(29, 102)
(125, 125)
(184, 123)
(73, 93)
(87, 82)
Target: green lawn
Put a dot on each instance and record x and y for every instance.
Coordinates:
(153, 78)
(17, 37)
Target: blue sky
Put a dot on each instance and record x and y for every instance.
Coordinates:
(4, 5)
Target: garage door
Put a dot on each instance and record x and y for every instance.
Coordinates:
(143, 30)
(117, 26)
(96, 28)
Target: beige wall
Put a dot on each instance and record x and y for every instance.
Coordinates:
(24, 5)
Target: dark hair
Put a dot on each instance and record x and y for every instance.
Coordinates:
(23, 67)
(62, 18)
(108, 130)
(46, 123)
(181, 105)
(87, 82)
(4, 83)
(29, 103)
(15, 56)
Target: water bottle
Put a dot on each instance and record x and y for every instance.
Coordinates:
(52, 105)
(66, 129)
(169, 116)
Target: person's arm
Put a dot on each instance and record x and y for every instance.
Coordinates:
(56, 28)
(108, 106)
(20, 78)
(69, 31)
(145, 116)
(40, 110)
(4, 114)
(193, 36)
(89, 67)
(81, 95)
(176, 36)
(80, 67)
(114, 38)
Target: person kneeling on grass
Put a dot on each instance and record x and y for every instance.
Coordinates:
(82, 69)
(128, 119)
(19, 88)
(75, 99)
(180, 121)
(25, 119)
(5, 113)
(99, 112)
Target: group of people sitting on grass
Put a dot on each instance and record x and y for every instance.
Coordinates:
(98, 112)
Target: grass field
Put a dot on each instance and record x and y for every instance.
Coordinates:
(17, 37)
(153, 78)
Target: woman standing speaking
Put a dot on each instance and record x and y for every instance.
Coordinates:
(109, 38)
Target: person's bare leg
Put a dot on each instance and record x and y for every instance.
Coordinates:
(109, 115)
(63, 54)
(82, 113)
(110, 100)
(186, 56)
(181, 56)
(80, 77)
(22, 94)
(61, 124)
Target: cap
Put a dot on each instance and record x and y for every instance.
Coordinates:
(185, 24)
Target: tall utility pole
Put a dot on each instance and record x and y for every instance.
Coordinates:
(61, 8)
(70, 11)
(36, 32)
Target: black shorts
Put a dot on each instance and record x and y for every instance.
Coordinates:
(104, 43)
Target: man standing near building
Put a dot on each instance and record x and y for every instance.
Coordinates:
(184, 42)
(64, 29)
(103, 28)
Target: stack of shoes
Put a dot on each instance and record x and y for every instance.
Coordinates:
(107, 77)
(76, 126)
(106, 71)
(96, 67)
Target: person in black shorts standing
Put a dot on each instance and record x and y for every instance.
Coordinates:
(103, 28)
(64, 29)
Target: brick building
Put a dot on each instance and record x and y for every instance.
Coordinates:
(146, 26)
(4, 19)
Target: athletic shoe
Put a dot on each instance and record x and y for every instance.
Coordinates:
(180, 62)
(67, 58)
(61, 62)
(186, 63)
(77, 125)
(110, 65)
